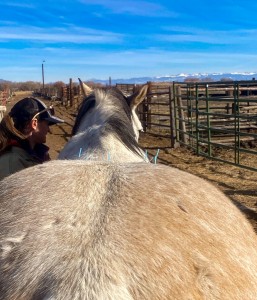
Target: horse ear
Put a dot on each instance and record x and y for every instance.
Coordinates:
(137, 97)
(86, 90)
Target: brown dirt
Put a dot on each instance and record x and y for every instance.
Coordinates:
(237, 183)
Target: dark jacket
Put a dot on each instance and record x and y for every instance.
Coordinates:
(18, 156)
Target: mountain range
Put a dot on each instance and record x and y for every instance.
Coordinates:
(182, 77)
(236, 76)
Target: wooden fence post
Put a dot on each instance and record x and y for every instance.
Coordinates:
(182, 125)
(75, 96)
(67, 95)
(142, 109)
(146, 117)
(173, 141)
(2, 111)
(71, 94)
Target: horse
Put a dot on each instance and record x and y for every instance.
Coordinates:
(105, 135)
(115, 226)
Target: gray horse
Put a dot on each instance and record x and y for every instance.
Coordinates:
(107, 127)
(110, 226)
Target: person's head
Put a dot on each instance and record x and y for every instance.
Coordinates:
(30, 119)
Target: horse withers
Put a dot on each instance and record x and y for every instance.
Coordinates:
(110, 226)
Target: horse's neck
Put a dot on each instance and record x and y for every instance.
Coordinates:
(110, 149)
(91, 145)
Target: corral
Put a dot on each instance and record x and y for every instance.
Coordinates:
(237, 183)
(207, 117)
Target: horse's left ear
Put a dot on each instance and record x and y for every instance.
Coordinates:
(86, 90)
(138, 96)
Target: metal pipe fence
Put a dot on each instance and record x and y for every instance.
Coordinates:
(217, 120)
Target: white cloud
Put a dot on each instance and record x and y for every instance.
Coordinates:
(19, 4)
(57, 35)
(185, 34)
(140, 8)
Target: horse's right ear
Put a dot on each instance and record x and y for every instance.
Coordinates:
(86, 90)
(138, 96)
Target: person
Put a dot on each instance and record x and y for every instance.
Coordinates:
(23, 134)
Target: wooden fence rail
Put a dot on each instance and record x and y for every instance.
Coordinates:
(5, 96)
(2, 111)
(70, 95)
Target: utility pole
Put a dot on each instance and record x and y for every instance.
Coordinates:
(43, 77)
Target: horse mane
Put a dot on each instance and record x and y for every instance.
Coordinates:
(119, 122)
(85, 106)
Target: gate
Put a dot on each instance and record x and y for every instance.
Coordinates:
(217, 120)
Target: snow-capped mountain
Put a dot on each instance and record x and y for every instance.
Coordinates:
(236, 76)
(181, 77)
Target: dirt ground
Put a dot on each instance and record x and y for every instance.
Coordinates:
(237, 183)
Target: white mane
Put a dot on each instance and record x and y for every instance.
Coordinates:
(107, 128)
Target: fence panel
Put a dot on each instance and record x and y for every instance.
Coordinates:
(211, 118)
(223, 116)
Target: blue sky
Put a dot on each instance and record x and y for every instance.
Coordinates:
(125, 39)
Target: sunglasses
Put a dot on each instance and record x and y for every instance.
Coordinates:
(49, 109)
